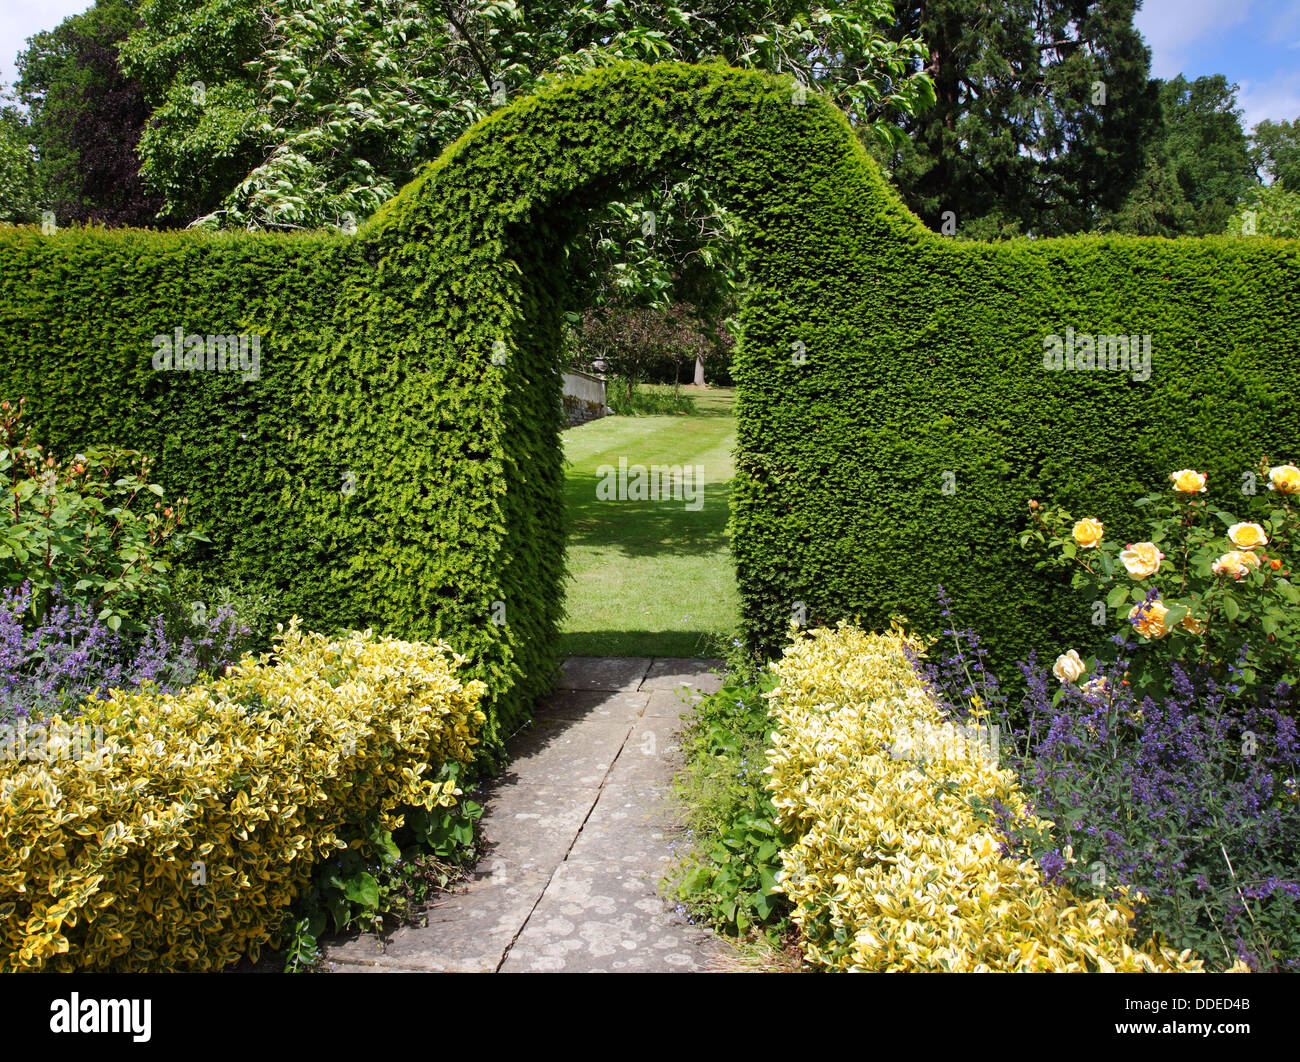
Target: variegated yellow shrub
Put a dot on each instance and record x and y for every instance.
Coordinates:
(897, 865)
(180, 841)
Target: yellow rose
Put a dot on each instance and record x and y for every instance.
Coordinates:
(1068, 667)
(1285, 479)
(1088, 533)
(1247, 536)
(1192, 624)
(1150, 619)
(1235, 563)
(1141, 560)
(1188, 481)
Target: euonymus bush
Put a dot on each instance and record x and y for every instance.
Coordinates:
(898, 815)
(175, 831)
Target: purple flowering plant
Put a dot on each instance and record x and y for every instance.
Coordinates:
(1188, 797)
(70, 655)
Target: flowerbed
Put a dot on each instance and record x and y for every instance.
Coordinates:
(179, 834)
(899, 860)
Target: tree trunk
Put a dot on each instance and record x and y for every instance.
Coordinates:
(699, 370)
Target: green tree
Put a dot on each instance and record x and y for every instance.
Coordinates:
(1041, 110)
(86, 117)
(1197, 164)
(1207, 147)
(672, 247)
(19, 188)
(1156, 206)
(312, 112)
(1276, 150)
(189, 57)
(1268, 210)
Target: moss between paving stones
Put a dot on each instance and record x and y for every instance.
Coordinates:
(920, 357)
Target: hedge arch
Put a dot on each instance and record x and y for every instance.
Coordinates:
(879, 366)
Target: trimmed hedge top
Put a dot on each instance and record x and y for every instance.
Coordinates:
(396, 461)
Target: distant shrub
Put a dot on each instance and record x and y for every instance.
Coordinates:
(647, 401)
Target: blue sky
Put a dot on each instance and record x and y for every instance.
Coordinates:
(1255, 43)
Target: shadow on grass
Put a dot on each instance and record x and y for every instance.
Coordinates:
(647, 528)
(687, 644)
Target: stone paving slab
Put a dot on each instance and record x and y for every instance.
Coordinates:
(558, 751)
(651, 755)
(530, 828)
(592, 704)
(466, 932)
(598, 919)
(670, 704)
(579, 833)
(670, 673)
(603, 673)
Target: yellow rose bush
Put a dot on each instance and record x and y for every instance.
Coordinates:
(1206, 588)
(179, 837)
(896, 863)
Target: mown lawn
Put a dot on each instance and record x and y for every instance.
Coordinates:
(651, 578)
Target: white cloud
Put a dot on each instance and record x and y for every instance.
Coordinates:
(20, 19)
(1169, 26)
(1276, 98)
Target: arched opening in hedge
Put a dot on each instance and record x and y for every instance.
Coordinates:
(479, 234)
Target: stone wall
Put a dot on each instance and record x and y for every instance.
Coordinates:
(584, 397)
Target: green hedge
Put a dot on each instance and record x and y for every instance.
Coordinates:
(923, 357)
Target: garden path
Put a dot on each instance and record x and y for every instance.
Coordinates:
(578, 833)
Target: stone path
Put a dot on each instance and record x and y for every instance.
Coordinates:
(578, 835)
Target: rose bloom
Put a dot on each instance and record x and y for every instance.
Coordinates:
(1141, 560)
(1068, 667)
(1192, 624)
(1188, 481)
(1285, 479)
(1247, 536)
(1150, 619)
(1088, 532)
(1235, 563)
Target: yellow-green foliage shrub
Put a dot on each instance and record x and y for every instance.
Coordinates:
(181, 840)
(897, 863)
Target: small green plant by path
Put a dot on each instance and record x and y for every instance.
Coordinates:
(651, 577)
(728, 872)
